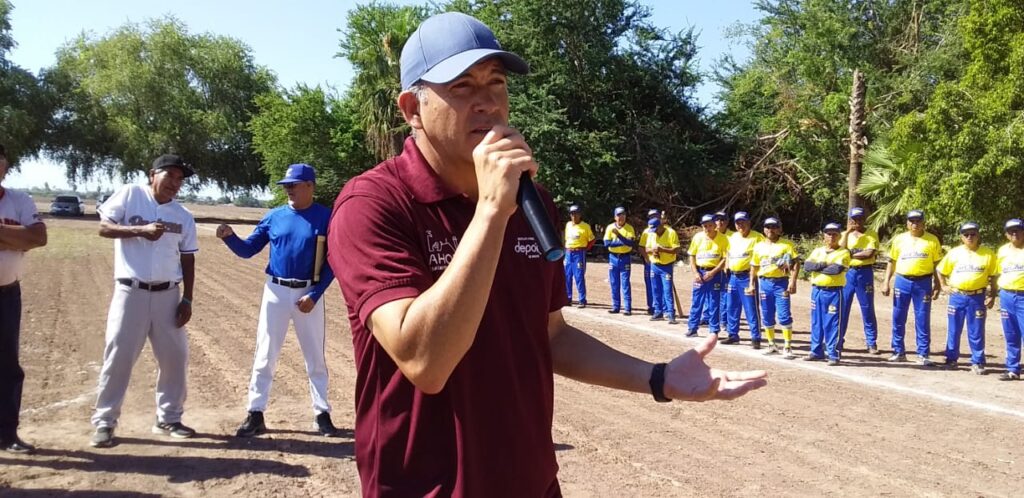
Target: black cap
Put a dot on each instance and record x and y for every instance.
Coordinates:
(173, 160)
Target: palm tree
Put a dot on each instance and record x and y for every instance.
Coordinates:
(888, 183)
(373, 42)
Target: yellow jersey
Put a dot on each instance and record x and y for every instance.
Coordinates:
(625, 231)
(856, 242)
(1010, 267)
(838, 256)
(915, 256)
(969, 270)
(708, 252)
(578, 236)
(668, 239)
(774, 259)
(741, 249)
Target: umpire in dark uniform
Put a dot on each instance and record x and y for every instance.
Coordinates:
(21, 229)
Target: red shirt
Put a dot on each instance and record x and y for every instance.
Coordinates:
(488, 432)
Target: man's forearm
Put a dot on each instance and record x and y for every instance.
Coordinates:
(114, 231)
(19, 238)
(188, 275)
(579, 356)
(429, 337)
(890, 269)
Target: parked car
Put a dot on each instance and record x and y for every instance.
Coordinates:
(67, 205)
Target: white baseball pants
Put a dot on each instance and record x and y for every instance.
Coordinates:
(135, 315)
(277, 310)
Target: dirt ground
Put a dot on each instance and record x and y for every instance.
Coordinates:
(866, 428)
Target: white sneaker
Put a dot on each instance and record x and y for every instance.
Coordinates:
(788, 353)
(924, 361)
(772, 349)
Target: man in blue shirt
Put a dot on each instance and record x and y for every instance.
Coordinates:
(296, 280)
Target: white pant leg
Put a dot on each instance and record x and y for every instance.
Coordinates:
(170, 347)
(274, 315)
(309, 328)
(128, 324)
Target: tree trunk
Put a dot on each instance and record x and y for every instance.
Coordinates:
(857, 139)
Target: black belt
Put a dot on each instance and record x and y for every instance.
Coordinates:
(915, 277)
(152, 287)
(774, 279)
(290, 282)
(828, 287)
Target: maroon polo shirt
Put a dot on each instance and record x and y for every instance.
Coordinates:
(488, 432)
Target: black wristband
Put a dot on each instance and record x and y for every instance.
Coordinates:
(657, 383)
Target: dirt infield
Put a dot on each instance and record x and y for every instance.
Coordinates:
(866, 428)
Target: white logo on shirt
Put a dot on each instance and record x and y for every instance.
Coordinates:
(528, 247)
(440, 251)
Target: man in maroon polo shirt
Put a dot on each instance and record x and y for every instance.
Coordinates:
(456, 318)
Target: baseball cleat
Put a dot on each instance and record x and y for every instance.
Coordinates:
(613, 311)
(787, 353)
(811, 357)
(978, 369)
(951, 364)
(253, 425)
(897, 358)
(325, 426)
(102, 438)
(924, 361)
(627, 313)
(174, 429)
(756, 344)
(833, 362)
(873, 350)
(672, 321)
(772, 349)
(1009, 376)
(692, 333)
(731, 340)
(657, 318)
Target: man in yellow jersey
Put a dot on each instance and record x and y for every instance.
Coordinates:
(965, 273)
(860, 279)
(620, 239)
(642, 245)
(707, 260)
(741, 249)
(912, 258)
(578, 239)
(662, 246)
(1011, 295)
(775, 265)
(827, 265)
(722, 225)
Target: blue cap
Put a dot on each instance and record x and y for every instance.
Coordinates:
(446, 45)
(832, 227)
(970, 225)
(707, 218)
(771, 221)
(1014, 223)
(654, 222)
(915, 214)
(741, 216)
(299, 173)
(574, 209)
(720, 216)
(619, 210)
(856, 212)
(653, 212)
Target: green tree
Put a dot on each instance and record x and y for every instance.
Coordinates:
(308, 125)
(146, 90)
(972, 164)
(372, 42)
(787, 108)
(24, 104)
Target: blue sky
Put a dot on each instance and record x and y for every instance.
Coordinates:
(297, 40)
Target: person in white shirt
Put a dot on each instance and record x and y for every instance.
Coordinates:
(21, 229)
(154, 254)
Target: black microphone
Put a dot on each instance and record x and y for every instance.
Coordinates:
(533, 208)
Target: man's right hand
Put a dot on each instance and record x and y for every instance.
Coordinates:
(500, 159)
(886, 290)
(152, 231)
(224, 231)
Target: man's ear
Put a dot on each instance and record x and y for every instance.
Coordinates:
(409, 106)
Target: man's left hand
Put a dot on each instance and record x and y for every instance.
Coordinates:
(184, 313)
(689, 378)
(306, 304)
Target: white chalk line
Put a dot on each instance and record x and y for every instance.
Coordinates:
(814, 367)
(61, 404)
